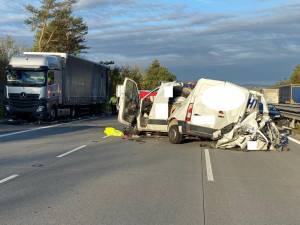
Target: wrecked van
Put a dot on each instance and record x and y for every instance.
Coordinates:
(213, 109)
(149, 113)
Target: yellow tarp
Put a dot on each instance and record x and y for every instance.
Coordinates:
(110, 131)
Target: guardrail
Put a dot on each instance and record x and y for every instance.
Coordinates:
(290, 115)
(289, 111)
(288, 107)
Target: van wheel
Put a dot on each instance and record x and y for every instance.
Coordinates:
(175, 136)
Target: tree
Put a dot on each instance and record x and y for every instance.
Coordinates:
(295, 77)
(281, 83)
(117, 76)
(56, 29)
(8, 48)
(154, 74)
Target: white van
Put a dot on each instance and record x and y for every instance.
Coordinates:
(211, 109)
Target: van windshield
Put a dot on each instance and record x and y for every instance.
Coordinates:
(26, 78)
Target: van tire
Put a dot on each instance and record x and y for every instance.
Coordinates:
(175, 136)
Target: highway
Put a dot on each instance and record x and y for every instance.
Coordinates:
(72, 173)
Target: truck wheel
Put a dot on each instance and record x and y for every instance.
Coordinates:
(175, 136)
(53, 113)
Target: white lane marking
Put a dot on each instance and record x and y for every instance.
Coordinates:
(294, 140)
(25, 131)
(210, 176)
(39, 128)
(8, 178)
(69, 152)
(105, 136)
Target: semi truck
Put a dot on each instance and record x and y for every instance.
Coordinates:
(49, 85)
(289, 94)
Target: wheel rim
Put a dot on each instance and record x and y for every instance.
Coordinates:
(53, 113)
(173, 134)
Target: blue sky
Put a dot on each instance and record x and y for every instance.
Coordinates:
(249, 41)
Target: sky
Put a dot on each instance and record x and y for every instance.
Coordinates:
(245, 42)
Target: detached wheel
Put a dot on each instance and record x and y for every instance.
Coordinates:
(175, 136)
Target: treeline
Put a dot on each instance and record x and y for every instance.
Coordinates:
(146, 79)
(8, 48)
(294, 78)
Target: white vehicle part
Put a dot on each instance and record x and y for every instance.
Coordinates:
(263, 132)
(128, 102)
(223, 98)
(161, 102)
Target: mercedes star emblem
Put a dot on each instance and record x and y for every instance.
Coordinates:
(23, 96)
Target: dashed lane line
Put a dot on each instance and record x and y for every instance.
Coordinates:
(9, 178)
(294, 140)
(69, 152)
(210, 176)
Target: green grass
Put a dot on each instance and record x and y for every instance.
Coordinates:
(296, 130)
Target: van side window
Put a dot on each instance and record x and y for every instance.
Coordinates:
(50, 78)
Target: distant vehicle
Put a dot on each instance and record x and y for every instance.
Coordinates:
(289, 94)
(49, 85)
(273, 112)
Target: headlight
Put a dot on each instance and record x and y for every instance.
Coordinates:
(40, 109)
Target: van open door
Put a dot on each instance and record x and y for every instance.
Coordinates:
(128, 102)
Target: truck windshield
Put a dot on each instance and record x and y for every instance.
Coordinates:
(26, 77)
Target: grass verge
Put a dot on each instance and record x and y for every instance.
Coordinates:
(296, 130)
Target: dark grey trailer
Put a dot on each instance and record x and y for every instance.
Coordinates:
(84, 82)
(289, 94)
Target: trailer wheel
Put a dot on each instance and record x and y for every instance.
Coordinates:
(73, 112)
(175, 136)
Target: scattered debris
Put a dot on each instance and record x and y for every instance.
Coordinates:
(254, 132)
(37, 165)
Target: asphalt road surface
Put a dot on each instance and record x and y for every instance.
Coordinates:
(72, 173)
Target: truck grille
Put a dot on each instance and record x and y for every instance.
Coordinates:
(31, 100)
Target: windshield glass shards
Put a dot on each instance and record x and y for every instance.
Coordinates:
(26, 77)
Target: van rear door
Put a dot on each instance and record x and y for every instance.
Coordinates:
(128, 102)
